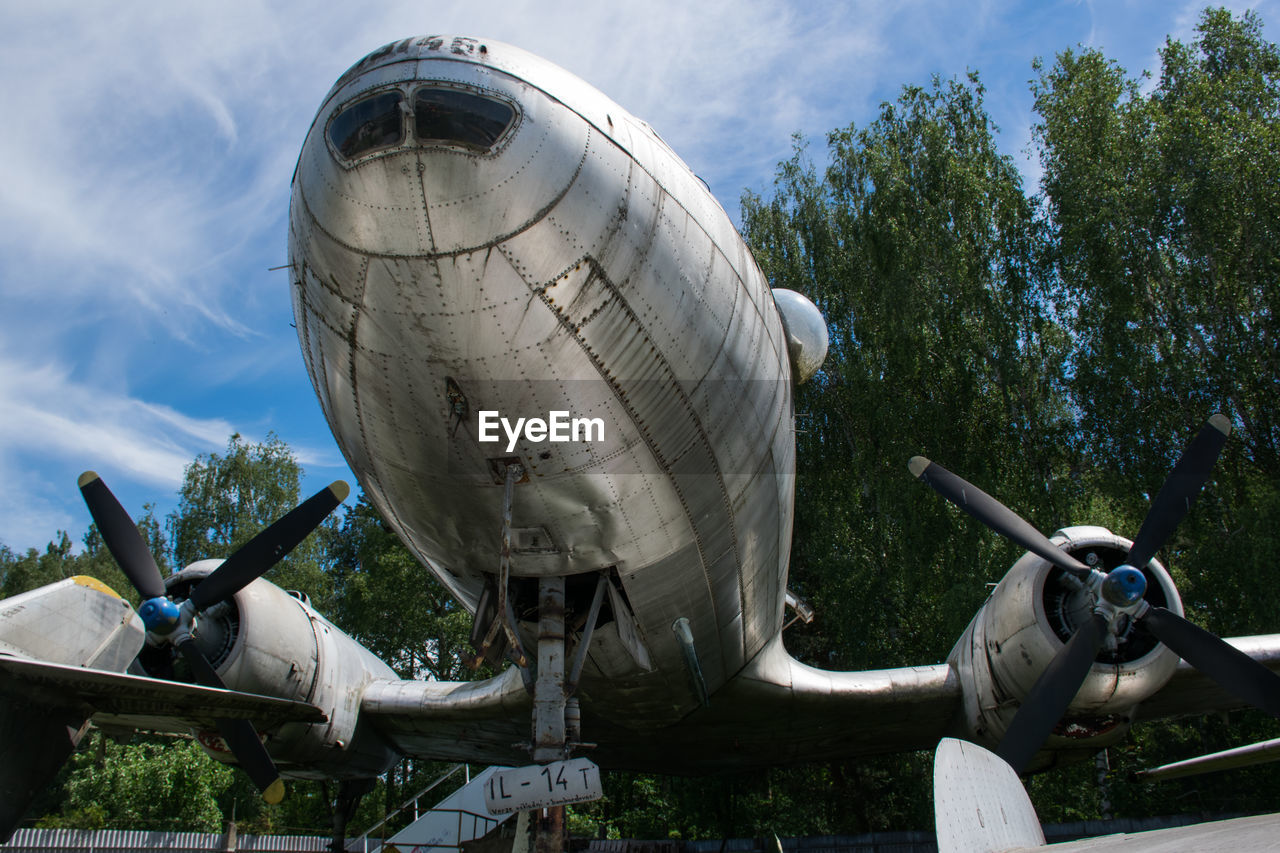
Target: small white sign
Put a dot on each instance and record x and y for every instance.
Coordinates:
(543, 785)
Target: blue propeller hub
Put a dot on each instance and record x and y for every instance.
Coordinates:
(1124, 586)
(159, 614)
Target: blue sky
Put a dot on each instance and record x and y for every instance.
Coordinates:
(147, 150)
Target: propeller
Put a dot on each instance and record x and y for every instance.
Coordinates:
(175, 624)
(1117, 597)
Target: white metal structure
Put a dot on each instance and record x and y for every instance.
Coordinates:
(458, 818)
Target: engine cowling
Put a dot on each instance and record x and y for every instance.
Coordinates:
(271, 642)
(1031, 614)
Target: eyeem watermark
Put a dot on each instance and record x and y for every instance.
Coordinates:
(558, 427)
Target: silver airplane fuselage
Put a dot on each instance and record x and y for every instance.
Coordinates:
(473, 229)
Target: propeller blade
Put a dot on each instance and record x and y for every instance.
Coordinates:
(268, 547)
(121, 537)
(243, 741)
(1180, 490)
(1231, 668)
(200, 666)
(1052, 693)
(241, 737)
(993, 514)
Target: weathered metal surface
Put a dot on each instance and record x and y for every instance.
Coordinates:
(549, 695)
(1013, 637)
(119, 697)
(824, 714)
(1262, 752)
(1190, 691)
(579, 266)
(267, 642)
(979, 804)
(77, 621)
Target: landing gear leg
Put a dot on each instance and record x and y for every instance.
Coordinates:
(549, 699)
(350, 793)
(550, 836)
(550, 742)
(554, 682)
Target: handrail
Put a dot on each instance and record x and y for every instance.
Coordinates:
(487, 822)
(412, 801)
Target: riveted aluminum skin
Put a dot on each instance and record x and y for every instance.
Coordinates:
(77, 621)
(577, 266)
(1010, 642)
(281, 647)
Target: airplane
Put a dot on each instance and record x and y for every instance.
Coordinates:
(558, 373)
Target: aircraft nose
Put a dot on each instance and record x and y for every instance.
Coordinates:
(437, 167)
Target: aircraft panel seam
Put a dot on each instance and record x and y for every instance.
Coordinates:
(533, 220)
(575, 332)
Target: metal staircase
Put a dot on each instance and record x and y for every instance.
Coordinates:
(457, 819)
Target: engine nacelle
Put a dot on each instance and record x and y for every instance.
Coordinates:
(1029, 617)
(273, 643)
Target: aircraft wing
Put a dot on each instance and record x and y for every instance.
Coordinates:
(1223, 836)
(776, 711)
(1190, 691)
(472, 721)
(781, 711)
(120, 699)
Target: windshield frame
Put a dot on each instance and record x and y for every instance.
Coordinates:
(348, 108)
(467, 94)
(408, 92)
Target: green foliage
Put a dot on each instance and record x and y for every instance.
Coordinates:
(1167, 216)
(923, 252)
(227, 500)
(1058, 350)
(377, 583)
(878, 794)
(146, 785)
(33, 569)
(386, 600)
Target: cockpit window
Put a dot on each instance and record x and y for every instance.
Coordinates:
(376, 122)
(460, 118)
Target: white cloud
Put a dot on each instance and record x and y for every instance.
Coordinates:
(49, 414)
(52, 427)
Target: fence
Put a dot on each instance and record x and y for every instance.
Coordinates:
(129, 841)
(125, 841)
